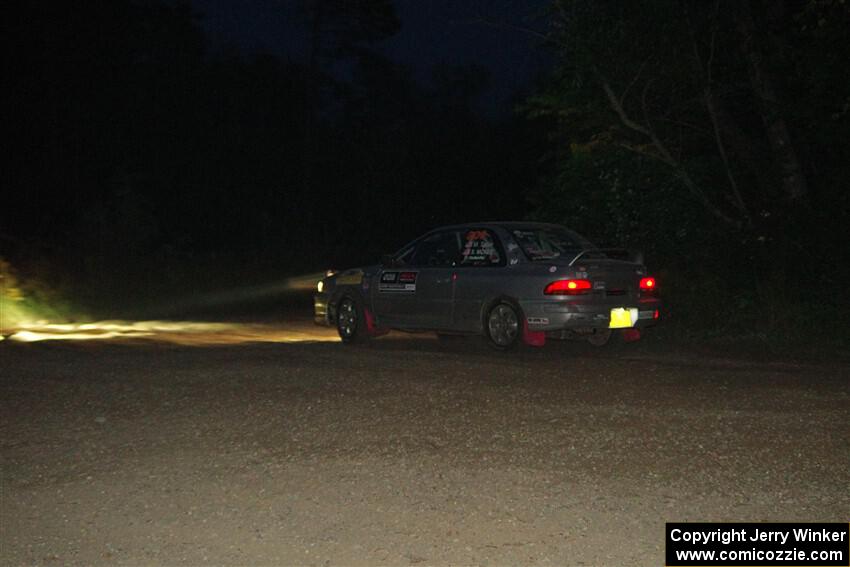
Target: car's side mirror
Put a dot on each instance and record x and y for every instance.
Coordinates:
(387, 261)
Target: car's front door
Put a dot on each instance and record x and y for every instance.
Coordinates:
(393, 291)
(394, 295)
(434, 298)
(435, 259)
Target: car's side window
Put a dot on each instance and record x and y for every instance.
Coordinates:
(405, 257)
(481, 248)
(440, 249)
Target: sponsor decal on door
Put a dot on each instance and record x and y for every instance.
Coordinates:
(398, 282)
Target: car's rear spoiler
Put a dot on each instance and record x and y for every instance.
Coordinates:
(616, 253)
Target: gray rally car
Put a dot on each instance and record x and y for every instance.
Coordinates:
(511, 282)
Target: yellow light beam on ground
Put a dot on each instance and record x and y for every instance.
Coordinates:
(177, 332)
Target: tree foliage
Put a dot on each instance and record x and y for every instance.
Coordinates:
(708, 132)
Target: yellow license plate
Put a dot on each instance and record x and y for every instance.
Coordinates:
(623, 318)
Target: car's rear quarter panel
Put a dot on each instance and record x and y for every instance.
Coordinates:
(476, 289)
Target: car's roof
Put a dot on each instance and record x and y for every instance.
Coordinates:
(507, 225)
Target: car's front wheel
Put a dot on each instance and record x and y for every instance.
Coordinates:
(350, 321)
(503, 326)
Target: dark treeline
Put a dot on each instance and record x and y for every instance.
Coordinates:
(144, 159)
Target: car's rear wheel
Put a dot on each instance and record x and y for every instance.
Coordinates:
(350, 321)
(503, 326)
(600, 337)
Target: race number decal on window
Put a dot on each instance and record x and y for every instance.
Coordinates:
(479, 249)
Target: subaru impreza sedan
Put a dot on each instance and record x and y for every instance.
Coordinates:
(510, 282)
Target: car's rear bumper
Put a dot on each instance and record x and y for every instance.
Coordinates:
(559, 315)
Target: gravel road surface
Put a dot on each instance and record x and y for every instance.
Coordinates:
(406, 452)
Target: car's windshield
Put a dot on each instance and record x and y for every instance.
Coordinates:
(548, 243)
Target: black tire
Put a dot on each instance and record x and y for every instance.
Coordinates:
(600, 337)
(503, 326)
(350, 321)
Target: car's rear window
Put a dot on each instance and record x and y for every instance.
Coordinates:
(549, 243)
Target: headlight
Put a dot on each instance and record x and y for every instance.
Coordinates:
(320, 286)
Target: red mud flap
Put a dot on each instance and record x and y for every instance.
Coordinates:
(533, 338)
(631, 335)
(370, 325)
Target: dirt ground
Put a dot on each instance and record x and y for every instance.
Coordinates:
(406, 452)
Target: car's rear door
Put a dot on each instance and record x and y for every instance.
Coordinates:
(478, 275)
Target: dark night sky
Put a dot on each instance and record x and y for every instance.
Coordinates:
(432, 32)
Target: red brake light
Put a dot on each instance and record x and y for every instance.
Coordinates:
(568, 287)
(647, 284)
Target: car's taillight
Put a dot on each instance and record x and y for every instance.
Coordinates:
(568, 287)
(647, 284)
